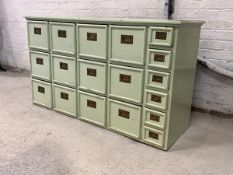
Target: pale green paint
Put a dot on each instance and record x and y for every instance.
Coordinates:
(154, 84)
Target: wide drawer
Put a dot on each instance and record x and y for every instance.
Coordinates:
(124, 118)
(155, 99)
(64, 70)
(127, 44)
(161, 36)
(38, 35)
(92, 108)
(156, 79)
(126, 83)
(63, 37)
(92, 41)
(64, 99)
(92, 76)
(42, 93)
(40, 65)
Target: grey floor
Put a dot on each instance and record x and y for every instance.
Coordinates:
(37, 141)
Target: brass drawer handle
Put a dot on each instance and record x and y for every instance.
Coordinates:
(61, 33)
(156, 98)
(126, 39)
(154, 117)
(157, 79)
(41, 89)
(161, 35)
(159, 58)
(63, 66)
(91, 36)
(91, 103)
(123, 113)
(153, 135)
(91, 72)
(39, 61)
(125, 78)
(37, 30)
(64, 96)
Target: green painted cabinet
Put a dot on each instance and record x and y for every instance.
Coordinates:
(131, 76)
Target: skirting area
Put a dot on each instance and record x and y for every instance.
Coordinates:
(38, 141)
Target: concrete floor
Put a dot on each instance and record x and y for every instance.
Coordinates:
(37, 141)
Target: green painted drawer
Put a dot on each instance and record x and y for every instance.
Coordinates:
(38, 36)
(92, 76)
(161, 36)
(63, 38)
(124, 118)
(92, 41)
(156, 99)
(159, 59)
(157, 79)
(64, 70)
(64, 100)
(40, 65)
(154, 118)
(127, 44)
(126, 83)
(92, 108)
(153, 137)
(42, 93)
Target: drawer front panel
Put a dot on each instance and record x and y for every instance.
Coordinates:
(126, 83)
(64, 70)
(124, 118)
(92, 41)
(40, 65)
(156, 99)
(127, 44)
(153, 136)
(64, 99)
(160, 59)
(92, 108)
(63, 37)
(42, 93)
(161, 36)
(38, 34)
(157, 79)
(92, 76)
(154, 118)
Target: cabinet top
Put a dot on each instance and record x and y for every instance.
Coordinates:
(127, 21)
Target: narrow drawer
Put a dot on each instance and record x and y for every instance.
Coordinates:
(124, 118)
(92, 76)
(64, 70)
(64, 99)
(38, 35)
(63, 37)
(92, 41)
(156, 99)
(157, 79)
(159, 59)
(127, 44)
(153, 136)
(161, 36)
(42, 93)
(92, 108)
(154, 118)
(40, 65)
(126, 83)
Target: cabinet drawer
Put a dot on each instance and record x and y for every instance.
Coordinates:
(157, 79)
(64, 70)
(124, 118)
(126, 83)
(63, 37)
(42, 93)
(38, 35)
(153, 136)
(154, 118)
(40, 65)
(92, 108)
(156, 99)
(161, 36)
(92, 76)
(127, 44)
(92, 41)
(160, 59)
(64, 99)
